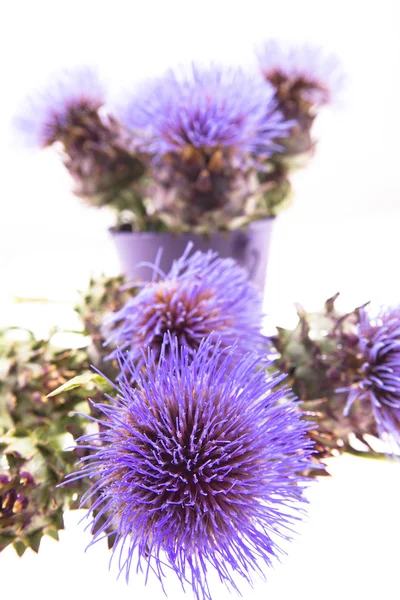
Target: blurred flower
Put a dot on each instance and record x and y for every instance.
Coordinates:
(70, 97)
(198, 465)
(304, 79)
(201, 295)
(91, 144)
(300, 73)
(377, 378)
(205, 109)
(204, 127)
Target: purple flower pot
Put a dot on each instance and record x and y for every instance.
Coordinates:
(248, 246)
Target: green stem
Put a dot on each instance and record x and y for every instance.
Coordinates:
(362, 454)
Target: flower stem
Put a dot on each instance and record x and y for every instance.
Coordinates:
(365, 454)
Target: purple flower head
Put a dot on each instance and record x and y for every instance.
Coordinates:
(68, 98)
(304, 70)
(207, 109)
(378, 379)
(201, 295)
(197, 466)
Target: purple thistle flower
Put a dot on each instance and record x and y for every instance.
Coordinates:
(68, 98)
(303, 70)
(377, 381)
(201, 295)
(206, 109)
(198, 465)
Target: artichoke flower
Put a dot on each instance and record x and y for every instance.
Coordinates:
(322, 355)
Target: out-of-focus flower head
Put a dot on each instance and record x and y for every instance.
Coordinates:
(301, 73)
(198, 465)
(201, 295)
(70, 98)
(68, 113)
(376, 380)
(205, 127)
(207, 109)
(305, 79)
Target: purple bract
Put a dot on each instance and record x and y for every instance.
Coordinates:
(198, 466)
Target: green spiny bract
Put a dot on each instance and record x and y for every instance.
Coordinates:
(35, 431)
(38, 430)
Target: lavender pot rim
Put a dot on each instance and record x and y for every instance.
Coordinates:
(226, 232)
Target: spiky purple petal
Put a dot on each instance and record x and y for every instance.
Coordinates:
(198, 465)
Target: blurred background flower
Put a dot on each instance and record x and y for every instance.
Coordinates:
(300, 73)
(208, 108)
(63, 107)
(68, 114)
(205, 128)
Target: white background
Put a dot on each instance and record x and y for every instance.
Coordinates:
(341, 234)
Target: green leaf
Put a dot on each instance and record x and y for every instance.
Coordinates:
(79, 380)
